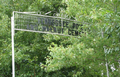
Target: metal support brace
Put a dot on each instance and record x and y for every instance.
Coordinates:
(12, 36)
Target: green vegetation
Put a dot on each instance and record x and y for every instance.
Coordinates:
(46, 55)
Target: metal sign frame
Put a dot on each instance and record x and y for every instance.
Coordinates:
(12, 36)
(13, 33)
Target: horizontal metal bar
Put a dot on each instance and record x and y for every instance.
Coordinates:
(46, 32)
(25, 12)
(41, 32)
(49, 16)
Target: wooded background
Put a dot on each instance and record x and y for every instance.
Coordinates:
(46, 55)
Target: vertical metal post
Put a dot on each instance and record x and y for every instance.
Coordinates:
(12, 36)
(105, 51)
(107, 69)
(62, 23)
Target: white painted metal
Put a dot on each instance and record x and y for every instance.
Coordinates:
(13, 56)
(43, 32)
(27, 13)
(105, 51)
(107, 69)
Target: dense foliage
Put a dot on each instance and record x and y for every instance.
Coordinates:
(46, 55)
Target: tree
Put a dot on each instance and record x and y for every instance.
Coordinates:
(53, 55)
(100, 37)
